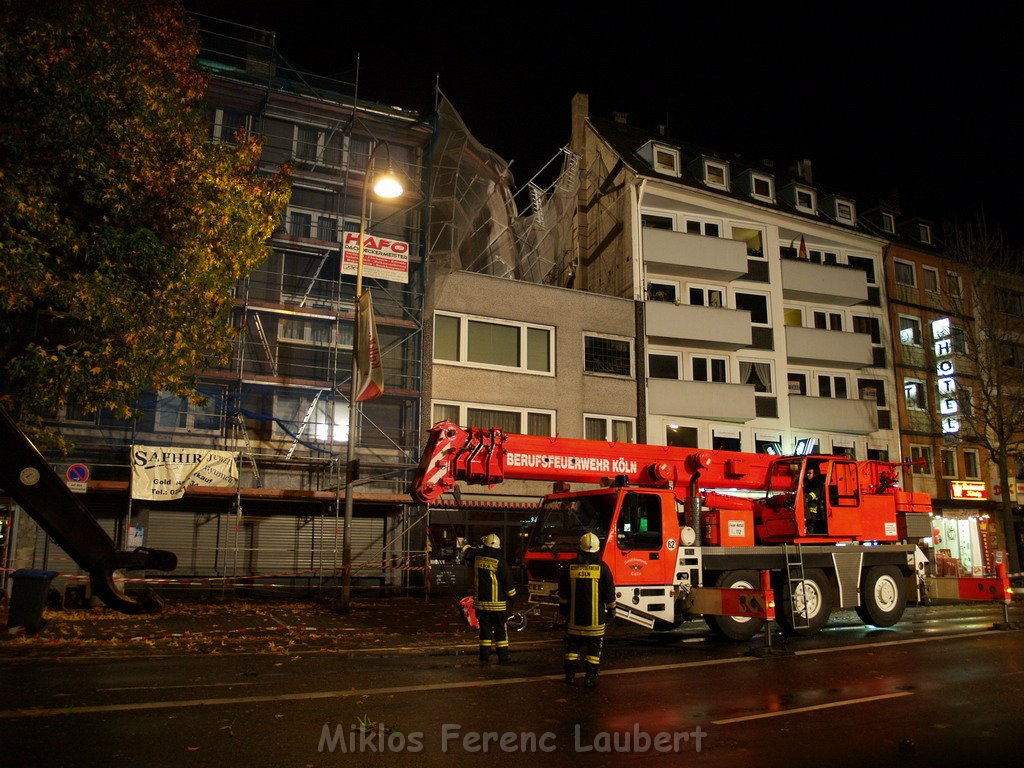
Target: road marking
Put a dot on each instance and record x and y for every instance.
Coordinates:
(797, 710)
(432, 687)
(163, 687)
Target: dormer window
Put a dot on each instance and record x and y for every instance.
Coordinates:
(716, 174)
(661, 157)
(666, 160)
(845, 212)
(924, 232)
(889, 222)
(805, 200)
(762, 188)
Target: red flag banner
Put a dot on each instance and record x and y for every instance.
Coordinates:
(369, 372)
(802, 254)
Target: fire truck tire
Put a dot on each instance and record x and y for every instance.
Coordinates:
(883, 596)
(736, 627)
(813, 601)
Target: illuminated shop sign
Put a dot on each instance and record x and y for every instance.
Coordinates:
(959, 489)
(949, 408)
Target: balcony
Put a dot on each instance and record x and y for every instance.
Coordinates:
(833, 349)
(698, 326)
(701, 400)
(856, 417)
(823, 283)
(679, 254)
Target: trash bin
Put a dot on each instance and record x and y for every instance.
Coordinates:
(28, 596)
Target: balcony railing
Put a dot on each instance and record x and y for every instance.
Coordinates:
(835, 349)
(701, 399)
(685, 255)
(695, 325)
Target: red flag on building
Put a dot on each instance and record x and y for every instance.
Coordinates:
(369, 373)
(802, 253)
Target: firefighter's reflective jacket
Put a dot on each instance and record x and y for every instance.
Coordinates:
(586, 594)
(493, 587)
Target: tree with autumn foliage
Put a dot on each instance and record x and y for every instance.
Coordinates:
(122, 228)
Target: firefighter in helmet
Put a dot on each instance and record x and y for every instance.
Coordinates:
(494, 593)
(586, 597)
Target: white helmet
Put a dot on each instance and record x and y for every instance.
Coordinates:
(491, 540)
(589, 542)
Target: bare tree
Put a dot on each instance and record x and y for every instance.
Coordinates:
(991, 402)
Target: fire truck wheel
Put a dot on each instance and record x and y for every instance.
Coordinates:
(883, 596)
(810, 601)
(736, 627)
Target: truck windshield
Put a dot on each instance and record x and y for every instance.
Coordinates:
(785, 476)
(561, 522)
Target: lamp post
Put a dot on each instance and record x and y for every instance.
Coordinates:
(386, 186)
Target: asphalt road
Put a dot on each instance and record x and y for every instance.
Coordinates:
(940, 686)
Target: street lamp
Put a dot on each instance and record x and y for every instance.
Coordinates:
(387, 186)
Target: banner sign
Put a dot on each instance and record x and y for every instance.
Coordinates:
(369, 371)
(383, 258)
(163, 474)
(959, 489)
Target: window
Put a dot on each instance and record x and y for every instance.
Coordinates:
(226, 123)
(832, 385)
(326, 422)
(707, 297)
(910, 330)
(924, 232)
(178, 413)
(681, 437)
(757, 373)
(793, 317)
(299, 331)
(639, 525)
(872, 389)
(663, 365)
(865, 264)
(959, 339)
(316, 146)
(931, 279)
(706, 228)
(756, 304)
(913, 390)
(716, 174)
(971, 465)
(805, 200)
(845, 212)
(660, 290)
(607, 355)
(666, 160)
(609, 429)
(657, 222)
(529, 421)
(300, 224)
(829, 321)
(823, 257)
(953, 284)
(797, 383)
(921, 455)
(464, 340)
(868, 325)
(904, 272)
(752, 238)
(327, 228)
(888, 222)
(726, 439)
(707, 368)
(948, 458)
(762, 187)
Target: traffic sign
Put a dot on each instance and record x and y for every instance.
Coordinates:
(78, 473)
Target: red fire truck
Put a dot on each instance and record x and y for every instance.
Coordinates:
(690, 532)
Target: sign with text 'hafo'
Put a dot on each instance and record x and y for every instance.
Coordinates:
(163, 474)
(383, 258)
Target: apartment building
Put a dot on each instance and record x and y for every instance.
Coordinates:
(530, 359)
(281, 403)
(764, 325)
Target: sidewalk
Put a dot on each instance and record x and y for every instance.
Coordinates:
(235, 625)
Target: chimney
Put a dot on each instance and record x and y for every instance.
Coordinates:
(661, 130)
(803, 170)
(620, 117)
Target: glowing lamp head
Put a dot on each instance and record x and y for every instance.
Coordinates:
(388, 185)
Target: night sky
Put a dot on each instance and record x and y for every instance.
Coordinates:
(916, 98)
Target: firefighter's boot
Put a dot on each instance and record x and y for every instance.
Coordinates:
(590, 679)
(570, 673)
